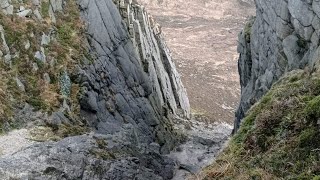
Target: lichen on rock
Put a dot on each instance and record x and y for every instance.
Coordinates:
(65, 84)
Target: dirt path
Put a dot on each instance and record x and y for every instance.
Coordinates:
(202, 36)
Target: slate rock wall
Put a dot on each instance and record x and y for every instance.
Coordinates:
(133, 79)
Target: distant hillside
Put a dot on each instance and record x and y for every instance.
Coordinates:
(202, 8)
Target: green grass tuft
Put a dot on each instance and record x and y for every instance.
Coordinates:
(45, 5)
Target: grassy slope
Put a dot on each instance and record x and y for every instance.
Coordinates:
(66, 49)
(280, 136)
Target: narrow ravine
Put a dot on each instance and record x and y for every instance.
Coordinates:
(91, 89)
(95, 92)
(202, 37)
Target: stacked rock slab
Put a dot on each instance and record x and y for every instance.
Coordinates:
(128, 93)
(284, 36)
(123, 87)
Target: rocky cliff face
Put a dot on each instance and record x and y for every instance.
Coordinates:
(284, 36)
(112, 83)
(133, 75)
